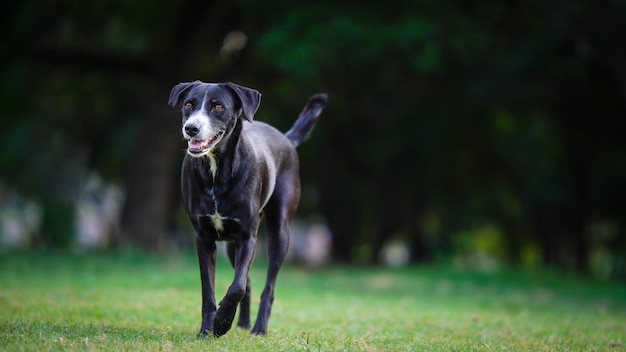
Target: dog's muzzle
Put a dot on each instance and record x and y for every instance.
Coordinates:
(199, 147)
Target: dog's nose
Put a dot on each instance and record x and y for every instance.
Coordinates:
(191, 130)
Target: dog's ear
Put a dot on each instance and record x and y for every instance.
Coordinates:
(179, 90)
(250, 99)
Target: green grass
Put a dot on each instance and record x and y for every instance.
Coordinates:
(139, 302)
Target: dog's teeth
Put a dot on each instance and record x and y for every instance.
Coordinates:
(196, 145)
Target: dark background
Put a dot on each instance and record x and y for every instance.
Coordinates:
(469, 131)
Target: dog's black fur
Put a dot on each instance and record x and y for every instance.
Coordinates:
(234, 170)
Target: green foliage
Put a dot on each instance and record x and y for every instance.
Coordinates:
(507, 113)
(476, 113)
(313, 45)
(130, 301)
(56, 216)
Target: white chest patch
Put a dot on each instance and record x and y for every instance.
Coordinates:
(218, 222)
(212, 163)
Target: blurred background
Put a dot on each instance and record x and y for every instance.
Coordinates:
(481, 133)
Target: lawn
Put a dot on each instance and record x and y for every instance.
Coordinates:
(138, 302)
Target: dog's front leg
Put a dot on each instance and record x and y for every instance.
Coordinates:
(206, 260)
(244, 305)
(244, 255)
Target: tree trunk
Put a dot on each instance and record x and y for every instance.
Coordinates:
(343, 232)
(420, 251)
(147, 212)
(147, 216)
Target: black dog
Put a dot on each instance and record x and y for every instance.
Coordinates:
(233, 171)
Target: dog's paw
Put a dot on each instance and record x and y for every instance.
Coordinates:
(205, 333)
(260, 328)
(223, 320)
(222, 326)
(206, 328)
(258, 333)
(225, 315)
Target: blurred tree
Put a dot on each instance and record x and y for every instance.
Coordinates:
(99, 75)
(472, 111)
(449, 121)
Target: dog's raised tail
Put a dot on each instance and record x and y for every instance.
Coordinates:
(301, 129)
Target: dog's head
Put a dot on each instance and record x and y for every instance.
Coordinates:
(210, 111)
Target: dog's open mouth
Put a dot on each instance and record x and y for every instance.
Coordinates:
(199, 147)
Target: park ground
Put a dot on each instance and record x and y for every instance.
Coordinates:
(139, 302)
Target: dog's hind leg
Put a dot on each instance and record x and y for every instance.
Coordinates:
(244, 305)
(278, 214)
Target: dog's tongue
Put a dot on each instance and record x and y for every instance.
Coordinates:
(195, 144)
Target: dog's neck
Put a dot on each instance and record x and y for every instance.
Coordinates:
(220, 158)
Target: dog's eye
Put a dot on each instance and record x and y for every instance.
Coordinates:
(189, 106)
(218, 107)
